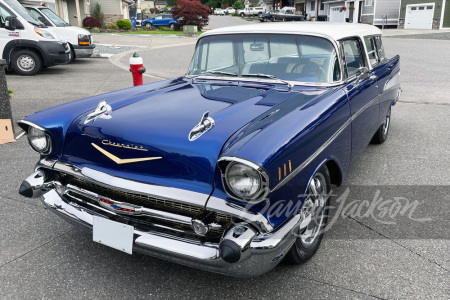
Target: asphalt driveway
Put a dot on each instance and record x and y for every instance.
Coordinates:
(362, 256)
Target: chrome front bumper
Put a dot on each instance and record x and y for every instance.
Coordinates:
(261, 254)
(84, 51)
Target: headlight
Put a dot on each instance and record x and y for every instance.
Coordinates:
(243, 180)
(39, 140)
(44, 33)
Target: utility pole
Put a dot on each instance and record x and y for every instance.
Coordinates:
(317, 10)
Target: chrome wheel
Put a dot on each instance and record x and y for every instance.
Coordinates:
(314, 207)
(25, 63)
(148, 25)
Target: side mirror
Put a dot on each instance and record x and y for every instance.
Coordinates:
(362, 74)
(11, 23)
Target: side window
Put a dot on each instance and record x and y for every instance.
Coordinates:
(380, 49)
(352, 56)
(158, 18)
(371, 51)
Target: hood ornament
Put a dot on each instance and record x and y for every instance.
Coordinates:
(206, 123)
(103, 111)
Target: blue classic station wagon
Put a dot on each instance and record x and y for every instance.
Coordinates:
(228, 168)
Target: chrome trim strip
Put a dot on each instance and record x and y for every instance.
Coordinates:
(130, 186)
(323, 147)
(30, 124)
(222, 206)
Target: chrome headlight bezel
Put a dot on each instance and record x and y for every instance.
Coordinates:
(225, 165)
(32, 132)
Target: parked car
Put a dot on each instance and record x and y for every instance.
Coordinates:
(79, 39)
(160, 20)
(288, 14)
(228, 168)
(26, 43)
(251, 11)
(268, 16)
(229, 10)
(219, 12)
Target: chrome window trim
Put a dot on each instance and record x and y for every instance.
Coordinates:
(263, 191)
(324, 146)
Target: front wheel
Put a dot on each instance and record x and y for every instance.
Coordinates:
(315, 206)
(26, 62)
(382, 133)
(172, 26)
(148, 25)
(242, 15)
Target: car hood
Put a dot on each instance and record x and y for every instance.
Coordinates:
(69, 33)
(146, 138)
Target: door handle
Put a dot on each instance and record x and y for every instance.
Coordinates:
(373, 77)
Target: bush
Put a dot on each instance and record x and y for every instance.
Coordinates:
(91, 22)
(98, 14)
(96, 30)
(237, 5)
(113, 26)
(191, 13)
(226, 5)
(152, 10)
(124, 24)
(164, 28)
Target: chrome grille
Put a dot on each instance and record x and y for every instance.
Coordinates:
(178, 228)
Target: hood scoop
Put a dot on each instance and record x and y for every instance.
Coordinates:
(206, 123)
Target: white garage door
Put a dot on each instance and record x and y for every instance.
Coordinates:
(419, 16)
(335, 15)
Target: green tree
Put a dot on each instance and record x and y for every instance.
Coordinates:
(238, 5)
(97, 13)
(171, 3)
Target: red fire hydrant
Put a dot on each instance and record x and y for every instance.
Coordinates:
(137, 69)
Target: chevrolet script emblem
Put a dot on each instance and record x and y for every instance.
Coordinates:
(120, 160)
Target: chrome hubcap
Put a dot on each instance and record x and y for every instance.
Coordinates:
(314, 206)
(25, 63)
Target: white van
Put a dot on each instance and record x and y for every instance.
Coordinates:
(25, 43)
(79, 39)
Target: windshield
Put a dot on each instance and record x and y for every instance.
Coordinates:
(18, 8)
(287, 57)
(53, 17)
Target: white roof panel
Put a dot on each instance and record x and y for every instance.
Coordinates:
(335, 31)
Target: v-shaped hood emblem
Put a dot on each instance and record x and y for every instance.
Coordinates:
(120, 160)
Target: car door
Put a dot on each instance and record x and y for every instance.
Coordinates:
(362, 90)
(387, 72)
(157, 21)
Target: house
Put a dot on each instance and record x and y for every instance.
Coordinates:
(160, 5)
(354, 11)
(428, 14)
(74, 11)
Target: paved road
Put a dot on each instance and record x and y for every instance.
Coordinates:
(41, 256)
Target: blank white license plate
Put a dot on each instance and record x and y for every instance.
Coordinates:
(113, 234)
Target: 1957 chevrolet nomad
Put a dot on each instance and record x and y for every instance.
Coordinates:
(228, 168)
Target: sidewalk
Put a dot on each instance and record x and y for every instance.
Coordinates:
(417, 33)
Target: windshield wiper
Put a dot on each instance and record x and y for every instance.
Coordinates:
(290, 85)
(220, 72)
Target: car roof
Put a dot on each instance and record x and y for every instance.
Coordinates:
(335, 31)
